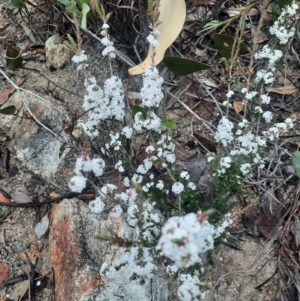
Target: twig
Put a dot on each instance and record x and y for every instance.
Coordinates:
(193, 113)
(69, 195)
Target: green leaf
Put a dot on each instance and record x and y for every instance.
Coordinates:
(168, 123)
(14, 59)
(61, 150)
(182, 66)
(85, 10)
(296, 162)
(225, 43)
(65, 2)
(136, 109)
(84, 1)
(29, 33)
(15, 3)
(8, 110)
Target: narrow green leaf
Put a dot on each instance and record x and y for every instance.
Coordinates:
(182, 66)
(136, 109)
(296, 162)
(85, 10)
(8, 110)
(168, 123)
(61, 150)
(14, 59)
(65, 2)
(224, 44)
(15, 3)
(29, 33)
(84, 1)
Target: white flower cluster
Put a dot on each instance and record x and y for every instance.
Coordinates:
(116, 211)
(266, 76)
(151, 92)
(177, 188)
(97, 205)
(224, 131)
(189, 290)
(79, 58)
(283, 28)
(102, 105)
(109, 48)
(78, 181)
(267, 116)
(184, 238)
(115, 142)
(127, 132)
(166, 149)
(278, 129)
(272, 55)
(138, 263)
(151, 123)
(151, 38)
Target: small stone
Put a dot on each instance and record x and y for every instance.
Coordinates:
(57, 54)
(21, 197)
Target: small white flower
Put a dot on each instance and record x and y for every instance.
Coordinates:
(177, 188)
(184, 175)
(116, 211)
(160, 185)
(152, 41)
(245, 168)
(267, 116)
(209, 159)
(258, 110)
(265, 99)
(229, 94)
(79, 58)
(105, 26)
(192, 186)
(119, 166)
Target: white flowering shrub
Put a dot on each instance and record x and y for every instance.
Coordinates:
(157, 200)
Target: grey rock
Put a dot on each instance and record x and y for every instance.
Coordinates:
(36, 148)
(57, 54)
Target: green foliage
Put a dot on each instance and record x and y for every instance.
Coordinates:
(81, 13)
(143, 110)
(16, 3)
(85, 10)
(169, 204)
(225, 186)
(183, 66)
(225, 44)
(283, 3)
(14, 59)
(8, 110)
(170, 124)
(296, 162)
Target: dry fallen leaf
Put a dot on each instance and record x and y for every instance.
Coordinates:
(35, 249)
(6, 92)
(286, 90)
(238, 106)
(183, 154)
(54, 195)
(172, 16)
(4, 199)
(268, 223)
(260, 36)
(204, 143)
(195, 166)
(4, 273)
